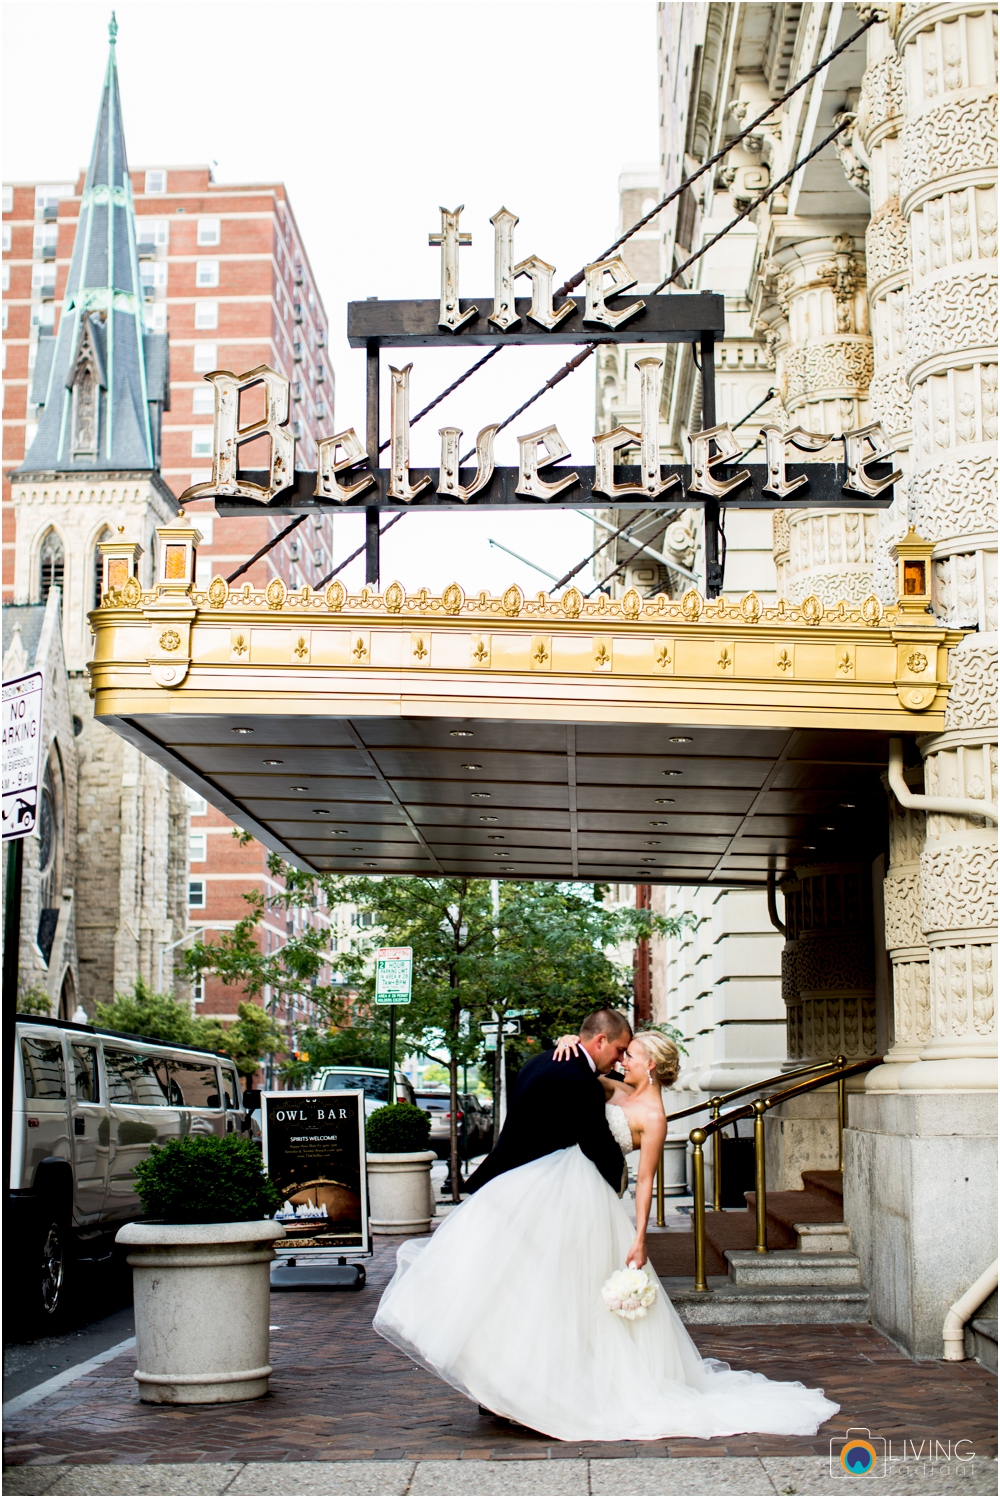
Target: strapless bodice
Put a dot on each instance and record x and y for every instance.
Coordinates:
(619, 1126)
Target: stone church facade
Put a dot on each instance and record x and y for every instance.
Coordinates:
(93, 470)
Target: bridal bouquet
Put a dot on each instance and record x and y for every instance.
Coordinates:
(629, 1293)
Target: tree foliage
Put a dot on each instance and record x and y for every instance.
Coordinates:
(159, 1016)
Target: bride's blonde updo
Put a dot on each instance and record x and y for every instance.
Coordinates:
(663, 1056)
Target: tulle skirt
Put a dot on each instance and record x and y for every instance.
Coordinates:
(503, 1302)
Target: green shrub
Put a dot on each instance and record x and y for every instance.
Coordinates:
(398, 1129)
(202, 1178)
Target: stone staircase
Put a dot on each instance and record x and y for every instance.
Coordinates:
(809, 1275)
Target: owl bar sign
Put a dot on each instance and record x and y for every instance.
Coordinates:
(626, 470)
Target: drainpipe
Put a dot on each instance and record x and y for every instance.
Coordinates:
(955, 806)
(962, 1310)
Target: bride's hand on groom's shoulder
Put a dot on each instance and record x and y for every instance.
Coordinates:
(566, 1046)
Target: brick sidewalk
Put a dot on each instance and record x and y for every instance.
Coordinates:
(339, 1393)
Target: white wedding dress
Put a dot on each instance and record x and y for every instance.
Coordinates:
(503, 1302)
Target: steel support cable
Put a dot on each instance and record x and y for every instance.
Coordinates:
(575, 280)
(754, 203)
(347, 560)
(265, 549)
(735, 140)
(629, 524)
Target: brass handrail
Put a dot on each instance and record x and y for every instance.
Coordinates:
(836, 1073)
(715, 1105)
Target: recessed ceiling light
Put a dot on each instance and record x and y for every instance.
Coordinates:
(501, 855)
(652, 843)
(300, 787)
(273, 761)
(649, 860)
(355, 850)
(370, 866)
(496, 837)
(659, 824)
(665, 801)
(680, 738)
(243, 730)
(320, 811)
(828, 829)
(482, 795)
(339, 832)
(472, 767)
(848, 805)
(461, 733)
(489, 819)
(809, 847)
(671, 772)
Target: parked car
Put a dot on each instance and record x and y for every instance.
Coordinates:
(88, 1103)
(374, 1080)
(475, 1123)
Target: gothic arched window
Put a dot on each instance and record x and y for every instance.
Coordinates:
(52, 565)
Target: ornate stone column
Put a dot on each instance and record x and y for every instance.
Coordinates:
(904, 939)
(816, 319)
(948, 198)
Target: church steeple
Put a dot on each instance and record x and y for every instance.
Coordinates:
(102, 381)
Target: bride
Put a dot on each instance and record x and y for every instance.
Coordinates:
(504, 1303)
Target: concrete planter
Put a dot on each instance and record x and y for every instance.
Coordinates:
(675, 1166)
(202, 1309)
(399, 1188)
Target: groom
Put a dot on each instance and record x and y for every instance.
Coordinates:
(560, 1103)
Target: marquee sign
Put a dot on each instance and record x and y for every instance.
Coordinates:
(626, 471)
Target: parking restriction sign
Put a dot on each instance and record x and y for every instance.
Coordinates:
(393, 975)
(22, 739)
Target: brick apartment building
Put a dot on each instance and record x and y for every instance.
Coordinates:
(223, 272)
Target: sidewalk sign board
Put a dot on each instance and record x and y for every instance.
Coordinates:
(393, 975)
(314, 1152)
(22, 742)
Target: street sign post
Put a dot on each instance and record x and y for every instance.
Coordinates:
(393, 985)
(22, 739)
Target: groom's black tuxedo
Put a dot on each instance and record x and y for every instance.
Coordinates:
(555, 1104)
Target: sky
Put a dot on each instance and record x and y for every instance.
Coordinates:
(375, 114)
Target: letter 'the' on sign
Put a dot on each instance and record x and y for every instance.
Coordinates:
(620, 278)
(539, 450)
(399, 464)
(608, 444)
(229, 436)
(503, 315)
(450, 239)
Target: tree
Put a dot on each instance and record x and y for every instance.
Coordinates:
(143, 1012)
(545, 951)
(253, 1035)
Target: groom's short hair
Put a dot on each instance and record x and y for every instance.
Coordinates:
(609, 1022)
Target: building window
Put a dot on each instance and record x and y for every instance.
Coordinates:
(198, 990)
(156, 181)
(152, 231)
(43, 314)
(207, 273)
(209, 231)
(201, 476)
(206, 314)
(202, 445)
(205, 357)
(197, 805)
(7, 231)
(99, 566)
(52, 565)
(196, 894)
(46, 236)
(51, 195)
(197, 847)
(3, 319)
(203, 401)
(8, 200)
(156, 317)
